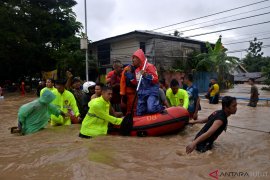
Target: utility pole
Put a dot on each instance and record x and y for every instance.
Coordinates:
(86, 51)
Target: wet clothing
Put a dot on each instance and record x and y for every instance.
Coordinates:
(116, 97)
(148, 94)
(193, 95)
(64, 102)
(35, 115)
(208, 143)
(83, 136)
(50, 89)
(214, 94)
(128, 87)
(162, 96)
(96, 121)
(81, 101)
(254, 96)
(178, 99)
(109, 75)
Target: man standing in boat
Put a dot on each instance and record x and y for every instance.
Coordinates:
(216, 123)
(148, 94)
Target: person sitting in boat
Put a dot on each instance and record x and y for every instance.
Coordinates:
(96, 121)
(34, 116)
(177, 96)
(148, 94)
(215, 124)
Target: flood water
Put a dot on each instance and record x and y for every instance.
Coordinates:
(58, 152)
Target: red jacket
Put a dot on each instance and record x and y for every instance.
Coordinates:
(150, 69)
(109, 75)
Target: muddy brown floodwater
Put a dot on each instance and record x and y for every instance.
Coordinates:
(58, 152)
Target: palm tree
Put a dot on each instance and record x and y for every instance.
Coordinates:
(216, 60)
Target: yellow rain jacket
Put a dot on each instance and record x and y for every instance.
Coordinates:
(96, 121)
(50, 89)
(178, 99)
(64, 102)
(215, 90)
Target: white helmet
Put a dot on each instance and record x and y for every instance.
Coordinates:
(86, 85)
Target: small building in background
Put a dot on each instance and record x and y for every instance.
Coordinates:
(161, 49)
(241, 78)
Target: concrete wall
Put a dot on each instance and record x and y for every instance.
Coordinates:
(123, 50)
(165, 53)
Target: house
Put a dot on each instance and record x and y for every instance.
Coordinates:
(243, 77)
(160, 49)
(238, 69)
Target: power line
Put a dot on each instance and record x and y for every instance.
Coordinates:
(164, 41)
(247, 37)
(160, 42)
(227, 29)
(210, 15)
(251, 35)
(215, 19)
(242, 50)
(244, 41)
(226, 22)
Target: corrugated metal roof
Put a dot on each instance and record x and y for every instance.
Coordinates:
(243, 77)
(152, 34)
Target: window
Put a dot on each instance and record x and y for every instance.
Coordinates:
(142, 46)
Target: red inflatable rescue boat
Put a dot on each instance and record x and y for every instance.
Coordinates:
(172, 120)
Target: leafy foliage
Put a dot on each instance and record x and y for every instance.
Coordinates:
(216, 60)
(254, 60)
(38, 35)
(266, 73)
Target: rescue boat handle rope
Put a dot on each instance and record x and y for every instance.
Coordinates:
(249, 129)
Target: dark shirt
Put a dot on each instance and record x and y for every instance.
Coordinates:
(81, 100)
(217, 115)
(254, 95)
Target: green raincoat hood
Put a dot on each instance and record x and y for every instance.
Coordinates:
(47, 97)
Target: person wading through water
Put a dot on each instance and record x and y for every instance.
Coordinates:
(215, 124)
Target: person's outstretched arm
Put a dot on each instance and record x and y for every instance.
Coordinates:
(204, 136)
(199, 121)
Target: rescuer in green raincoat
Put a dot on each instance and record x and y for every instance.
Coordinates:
(96, 121)
(35, 115)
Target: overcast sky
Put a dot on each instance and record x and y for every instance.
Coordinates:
(107, 18)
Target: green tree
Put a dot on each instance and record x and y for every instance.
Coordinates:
(266, 72)
(254, 60)
(32, 32)
(177, 33)
(216, 60)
